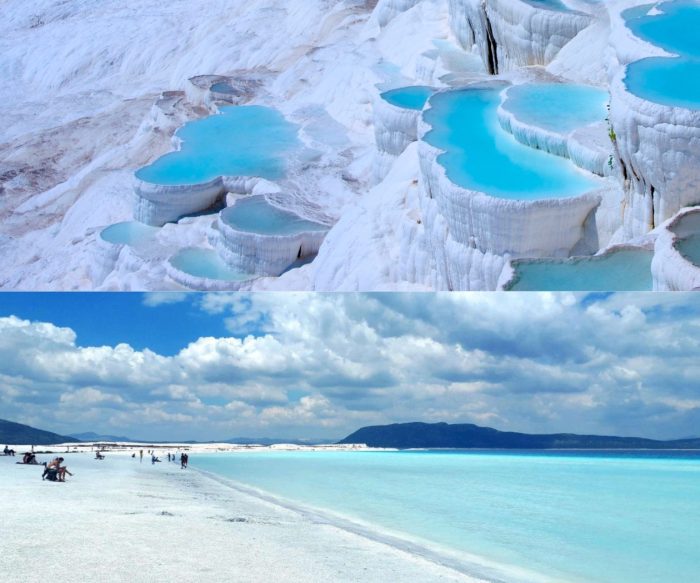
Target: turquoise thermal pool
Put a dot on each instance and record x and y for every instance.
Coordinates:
(556, 107)
(672, 26)
(622, 270)
(205, 263)
(128, 233)
(240, 141)
(408, 97)
(255, 215)
(222, 88)
(482, 156)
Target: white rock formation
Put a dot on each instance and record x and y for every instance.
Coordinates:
(263, 254)
(658, 146)
(670, 269)
(514, 33)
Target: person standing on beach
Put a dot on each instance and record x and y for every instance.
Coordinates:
(183, 461)
(141, 456)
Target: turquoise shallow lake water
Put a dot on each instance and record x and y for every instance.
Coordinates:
(674, 27)
(255, 215)
(581, 517)
(482, 156)
(240, 141)
(624, 270)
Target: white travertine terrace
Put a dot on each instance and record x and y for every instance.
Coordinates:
(513, 33)
(670, 269)
(263, 254)
(658, 146)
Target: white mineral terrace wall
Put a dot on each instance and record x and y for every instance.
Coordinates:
(670, 270)
(387, 10)
(658, 146)
(156, 204)
(511, 33)
(263, 254)
(394, 129)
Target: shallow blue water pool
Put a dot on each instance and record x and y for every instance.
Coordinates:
(128, 233)
(408, 97)
(674, 27)
(689, 247)
(240, 141)
(222, 88)
(557, 107)
(481, 156)
(205, 263)
(255, 215)
(623, 270)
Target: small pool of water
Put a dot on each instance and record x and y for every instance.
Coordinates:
(205, 263)
(687, 229)
(623, 270)
(128, 233)
(240, 141)
(557, 107)
(689, 247)
(254, 214)
(408, 97)
(222, 87)
(674, 27)
(482, 156)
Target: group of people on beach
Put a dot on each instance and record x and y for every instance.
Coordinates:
(184, 458)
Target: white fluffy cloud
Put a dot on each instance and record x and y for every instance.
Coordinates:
(325, 364)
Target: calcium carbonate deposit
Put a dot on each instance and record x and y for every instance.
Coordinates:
(349, 145)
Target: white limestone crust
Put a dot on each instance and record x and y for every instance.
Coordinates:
(512, 33)
(671, 271)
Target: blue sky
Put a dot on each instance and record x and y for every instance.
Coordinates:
(214, 366)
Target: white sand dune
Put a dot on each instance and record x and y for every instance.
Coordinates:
(122, 520)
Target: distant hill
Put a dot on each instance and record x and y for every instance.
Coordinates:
(16, 433)
(466, 435)
(92, 436)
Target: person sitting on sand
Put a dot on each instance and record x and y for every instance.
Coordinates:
(8, 451)
(29, 458)
(154, 459)
(99, 456)
(61, 471)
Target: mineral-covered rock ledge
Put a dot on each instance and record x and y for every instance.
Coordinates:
(657, 146)
(263, 254)
(670, 270)
(513, 33)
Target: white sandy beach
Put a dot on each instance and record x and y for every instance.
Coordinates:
(122, 520)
